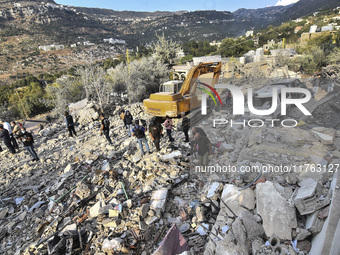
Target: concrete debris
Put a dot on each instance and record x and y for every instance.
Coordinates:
(325, 135)
(86, 196)
(238, 201)
(271, 203)
(308, 198)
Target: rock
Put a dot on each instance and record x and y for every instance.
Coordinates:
(302, 234)
(136, 159)
(325, 135)
(200, 214)
(150, 220)
(227, 147)
(171, 155)
(114, 244)
(306, 198)
(158, 199)
(68, 168)
(3, 213)
(113, 213)
(144, 211)
(82, 190)
(235, 199)
(313, 223)
(214, 188)
(277, 216)
(246, 228)
(106, 166)
(94, 210)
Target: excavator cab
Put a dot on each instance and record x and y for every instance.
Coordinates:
(171, 86)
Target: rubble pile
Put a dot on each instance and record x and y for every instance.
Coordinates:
(262, 208)
(88, 197)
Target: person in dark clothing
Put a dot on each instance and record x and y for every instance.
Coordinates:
(139, 132)
(105, 128)
(70, 124)
(155, 130)
(4, 135)
(8, 126)
(198, 130)
(204, 149)
(185, 126)
(193, 142)
(128, 122)
(27, 140)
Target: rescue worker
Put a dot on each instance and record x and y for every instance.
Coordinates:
(204, 148)
(15, 128)
(155, 131)
(128, 122)
(139, 132)
(70, 124)
(8, 127)
(4, 135)
(185, 126)
(27, 140)
(168, 127)
(105, 128)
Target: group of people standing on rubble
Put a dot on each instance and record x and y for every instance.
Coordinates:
(200, 142)
(9, 132)
(135, 127)
(138, 128)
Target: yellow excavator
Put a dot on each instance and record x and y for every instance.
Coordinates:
(171, 104)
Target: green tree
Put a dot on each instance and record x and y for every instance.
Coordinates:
(166, 51)
(64, 91)
(334, 57)
(140, 79)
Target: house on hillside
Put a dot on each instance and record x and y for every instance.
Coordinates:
(268, 45)
(250, 33)
(51, 47)
(297, 29)
(297, 20)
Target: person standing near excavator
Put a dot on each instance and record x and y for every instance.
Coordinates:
(168, 127)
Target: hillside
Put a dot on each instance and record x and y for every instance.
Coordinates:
(26, 25)
(306, 7)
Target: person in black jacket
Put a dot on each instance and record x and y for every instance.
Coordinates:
(4, 135)
(27, 140)
(105, 128)
(185, 126)
(70, 124)
(155, 130)
(139, 132)
(128, 122)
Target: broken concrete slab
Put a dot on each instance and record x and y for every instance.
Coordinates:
(158, 199)
(324, 135)
(245, 228)
(237, 200)
(307, 198)
(278, 217)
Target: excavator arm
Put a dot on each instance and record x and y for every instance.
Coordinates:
(190, 83)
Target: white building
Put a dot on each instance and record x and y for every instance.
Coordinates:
(51, 47)
(88, 43)
(114, 41)
(250, 33)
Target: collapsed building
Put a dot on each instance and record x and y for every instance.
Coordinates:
(268, 190)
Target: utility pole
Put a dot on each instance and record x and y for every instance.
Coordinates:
(128, 60)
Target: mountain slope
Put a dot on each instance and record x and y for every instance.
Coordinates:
(306, 7)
